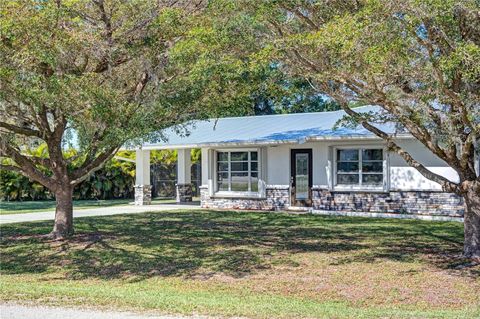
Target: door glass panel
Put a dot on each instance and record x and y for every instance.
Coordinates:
(301, 176)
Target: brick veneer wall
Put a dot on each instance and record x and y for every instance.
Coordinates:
(432, 203)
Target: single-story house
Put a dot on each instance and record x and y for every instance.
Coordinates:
(300, 162)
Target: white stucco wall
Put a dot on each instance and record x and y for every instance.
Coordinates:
(402, 176)
(278, 165)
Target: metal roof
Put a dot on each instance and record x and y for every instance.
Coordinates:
(264, 130)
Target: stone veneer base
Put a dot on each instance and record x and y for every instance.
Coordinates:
(418, 203)
(396, 202)
(184, 193)
(143, 194)
(275, 199)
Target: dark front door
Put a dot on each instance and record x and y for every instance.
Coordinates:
(301, 177)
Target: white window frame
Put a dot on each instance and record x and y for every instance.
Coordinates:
(240, 194)
(383, 187)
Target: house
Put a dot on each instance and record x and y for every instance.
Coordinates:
(300, 162)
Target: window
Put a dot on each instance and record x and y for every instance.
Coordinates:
(237, 171)
(362, 167)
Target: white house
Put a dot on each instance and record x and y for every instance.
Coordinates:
(300, 162)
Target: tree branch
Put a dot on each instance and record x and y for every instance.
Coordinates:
(446, 184)
(12, 168)
(20, 130)
(91, 165)
(301, 16)
(26, 166)
(418, 131)
(45, 162)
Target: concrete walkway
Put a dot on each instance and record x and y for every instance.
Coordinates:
(101, 211)
(14, 311)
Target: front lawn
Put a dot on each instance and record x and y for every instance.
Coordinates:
(257, 265)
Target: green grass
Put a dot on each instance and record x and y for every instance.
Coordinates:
(257, 265)
(7, 208)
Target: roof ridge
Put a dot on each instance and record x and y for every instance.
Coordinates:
(283, 114)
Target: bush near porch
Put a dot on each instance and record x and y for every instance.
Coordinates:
(257, 265)
(113, 181)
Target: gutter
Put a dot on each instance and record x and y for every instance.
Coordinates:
(268, 142)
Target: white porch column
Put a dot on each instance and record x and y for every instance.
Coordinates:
(184, 176)
(262, 181)
(205, 167)
(143, 189)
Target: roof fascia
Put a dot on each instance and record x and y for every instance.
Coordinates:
(272, 142)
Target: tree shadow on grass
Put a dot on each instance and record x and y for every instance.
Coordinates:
(186, 243)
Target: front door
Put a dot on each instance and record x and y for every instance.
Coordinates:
(301, 177)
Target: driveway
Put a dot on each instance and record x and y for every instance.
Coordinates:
(14, 311)
(102, 211)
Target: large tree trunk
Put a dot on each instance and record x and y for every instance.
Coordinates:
(472, 222)
(64, 213)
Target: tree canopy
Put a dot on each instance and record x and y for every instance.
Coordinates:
(89, 73)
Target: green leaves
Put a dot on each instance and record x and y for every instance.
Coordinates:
(464, 60)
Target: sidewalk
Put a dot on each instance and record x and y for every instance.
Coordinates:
(103, 211)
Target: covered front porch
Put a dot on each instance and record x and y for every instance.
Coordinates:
(148, 184)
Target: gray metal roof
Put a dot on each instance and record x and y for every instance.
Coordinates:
(264, 130)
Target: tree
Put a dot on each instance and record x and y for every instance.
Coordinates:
(418, 60)
(227, 62)
(88, 75)
(287, 94)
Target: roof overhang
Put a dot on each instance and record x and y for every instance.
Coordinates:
(259, 143)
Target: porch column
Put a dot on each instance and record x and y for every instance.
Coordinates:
(184, 178)
(143, 189)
